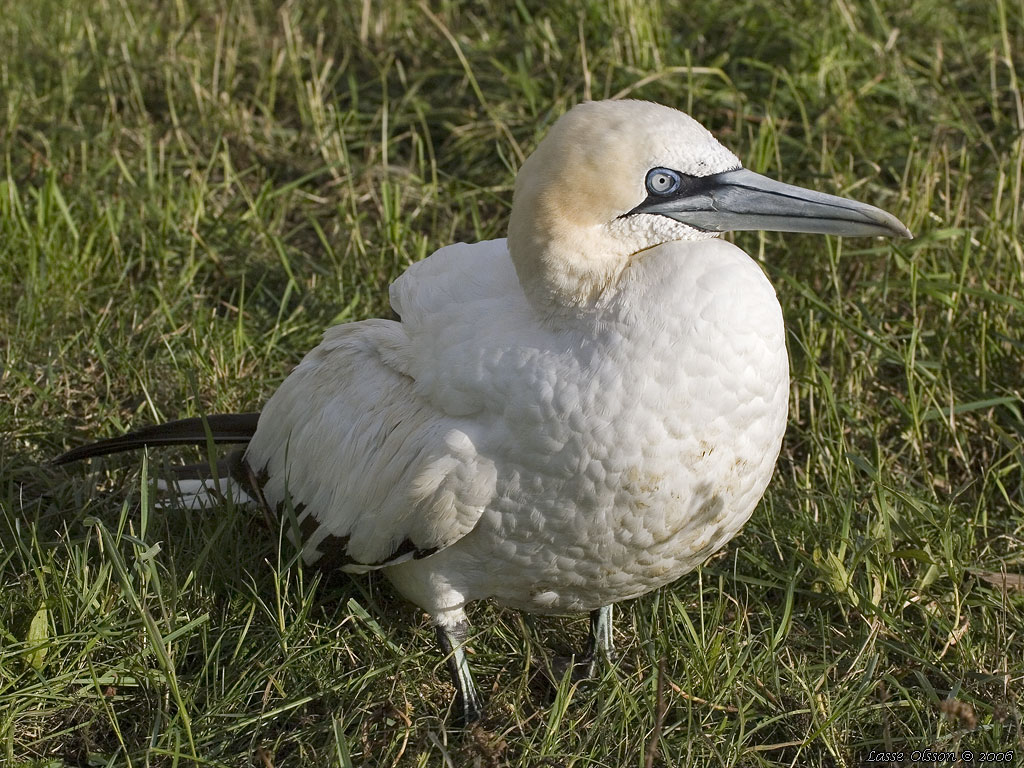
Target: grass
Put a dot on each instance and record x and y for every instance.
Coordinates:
(192, 191)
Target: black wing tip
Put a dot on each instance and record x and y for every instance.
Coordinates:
(76, 454)
(223, 428)
(96, 449)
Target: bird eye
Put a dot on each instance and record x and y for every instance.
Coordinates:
(663, 181)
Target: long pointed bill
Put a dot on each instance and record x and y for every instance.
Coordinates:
(742, 199)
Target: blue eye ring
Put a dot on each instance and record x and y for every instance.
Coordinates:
(663, 181)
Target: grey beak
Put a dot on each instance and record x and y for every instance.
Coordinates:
(742, 199)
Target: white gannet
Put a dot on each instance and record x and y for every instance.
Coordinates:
(558, 421)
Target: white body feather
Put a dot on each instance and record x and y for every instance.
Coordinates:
(555, 466)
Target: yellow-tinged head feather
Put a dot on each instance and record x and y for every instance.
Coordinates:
(565, 234)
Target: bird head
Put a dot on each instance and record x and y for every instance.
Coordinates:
(613, 179)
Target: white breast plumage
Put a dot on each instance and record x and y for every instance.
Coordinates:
(628, 449)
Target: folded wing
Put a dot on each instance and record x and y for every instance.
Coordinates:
(374, 440)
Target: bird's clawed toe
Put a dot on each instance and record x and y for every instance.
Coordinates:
(580, 667)
(468, 708)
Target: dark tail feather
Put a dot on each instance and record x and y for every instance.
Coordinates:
(224, 428)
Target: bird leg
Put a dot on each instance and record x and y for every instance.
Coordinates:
(468, 705)
(600, 647)
(600, 644)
